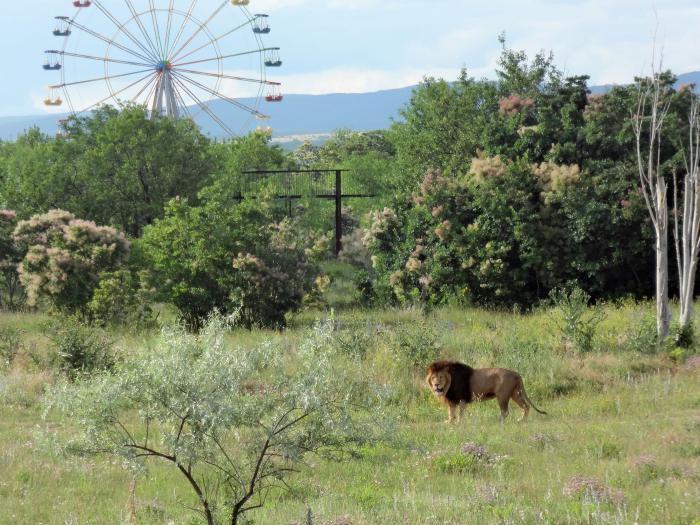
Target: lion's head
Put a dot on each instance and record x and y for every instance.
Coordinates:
(439, 381)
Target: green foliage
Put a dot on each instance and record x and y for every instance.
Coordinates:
(121, 298)
(10, 344)
(230, 258)
(79, 348)
(577, 322)
(113, 167)
(642, 336)
(233, 420)
(685, 336)
(417, 343)
(10, 257)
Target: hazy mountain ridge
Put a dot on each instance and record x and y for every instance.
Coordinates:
(297, 114)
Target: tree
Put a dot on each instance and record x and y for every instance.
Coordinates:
(233, 422)
(230, 258)
(117, 168)
(10, 257)
(687, 214)
(65, 257)
(653, 102)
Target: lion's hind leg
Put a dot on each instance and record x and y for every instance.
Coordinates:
(518, 398)
(503, 404)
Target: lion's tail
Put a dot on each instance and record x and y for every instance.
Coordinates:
(528, 400)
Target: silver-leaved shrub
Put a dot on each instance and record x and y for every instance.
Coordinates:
(231, 421)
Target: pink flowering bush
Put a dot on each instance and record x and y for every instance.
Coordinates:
(65, 257)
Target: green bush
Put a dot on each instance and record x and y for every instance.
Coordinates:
(231, 258)
(416, 343)
(642, 336)
(10, 257)
(80, 349)
(577, 322)
(120, 299)
(10, 344)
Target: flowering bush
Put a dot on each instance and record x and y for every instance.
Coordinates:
(65, 257)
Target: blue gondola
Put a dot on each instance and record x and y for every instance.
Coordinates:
(63, 26)
(52, 62)
(272, 58)
(261, 26)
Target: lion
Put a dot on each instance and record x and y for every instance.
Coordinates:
(457, 384)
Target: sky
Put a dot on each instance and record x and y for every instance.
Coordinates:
(331, 46)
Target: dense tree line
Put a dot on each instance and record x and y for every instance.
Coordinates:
(492, 192)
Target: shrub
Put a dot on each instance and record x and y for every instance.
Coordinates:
(417, 343)
(120, 299)
(80, 349)
(642, 336)
(231, 258)
(10, 344)
(10, 257)
(232, 422)
(576, 321)
(65, 256)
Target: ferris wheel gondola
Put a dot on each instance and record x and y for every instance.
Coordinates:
(174, 57)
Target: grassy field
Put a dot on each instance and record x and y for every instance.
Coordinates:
(621, 443)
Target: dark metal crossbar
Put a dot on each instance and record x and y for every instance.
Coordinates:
(320, 184)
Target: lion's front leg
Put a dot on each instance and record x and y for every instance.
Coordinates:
(462, 408)
(451, 409)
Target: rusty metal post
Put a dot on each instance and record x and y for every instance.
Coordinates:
(338, 212)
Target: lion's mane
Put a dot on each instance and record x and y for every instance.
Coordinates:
(460, 388)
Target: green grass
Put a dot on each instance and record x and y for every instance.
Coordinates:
(623, 415)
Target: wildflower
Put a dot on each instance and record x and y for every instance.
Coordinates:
(413, 264)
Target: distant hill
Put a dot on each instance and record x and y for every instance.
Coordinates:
(298, 115)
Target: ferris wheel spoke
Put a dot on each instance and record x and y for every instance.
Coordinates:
(141, 27)
(98, 79)
(108, 41)
(150, 83)
(119, 92)
(182, 27)
(156, 28)
(103, 59)
(169, 26)
(222, 57)
(217, 94)
(229, 77)
(123, 28)
(203, 106)
(199, 30)
(246, 24)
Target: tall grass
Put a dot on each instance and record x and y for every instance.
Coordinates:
(620, 445)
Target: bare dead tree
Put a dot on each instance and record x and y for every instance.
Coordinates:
(687, 217)
(648, 123)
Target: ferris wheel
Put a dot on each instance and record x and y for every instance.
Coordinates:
(205, 60)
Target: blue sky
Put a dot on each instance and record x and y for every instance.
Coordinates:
(366, 45)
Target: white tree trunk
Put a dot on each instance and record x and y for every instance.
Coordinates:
(688, 245)
(663, 312)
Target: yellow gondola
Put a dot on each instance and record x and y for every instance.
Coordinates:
(240, 2)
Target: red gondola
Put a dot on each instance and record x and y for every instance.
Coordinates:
(274, 94)
(85, 3)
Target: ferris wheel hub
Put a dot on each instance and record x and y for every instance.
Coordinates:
(164, 65)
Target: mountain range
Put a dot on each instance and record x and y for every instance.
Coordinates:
(298, 116)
